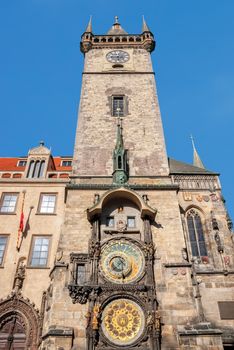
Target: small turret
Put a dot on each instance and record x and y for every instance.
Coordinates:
(145, 27)
(86, 38)
(89, 26)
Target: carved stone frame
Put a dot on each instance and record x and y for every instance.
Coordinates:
(15, 304)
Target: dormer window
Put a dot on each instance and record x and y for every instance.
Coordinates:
(66, 163)
(118, 106)
(22, 162)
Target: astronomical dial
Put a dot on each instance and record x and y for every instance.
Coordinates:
(123, 322)
(122, 261)
(117, 56)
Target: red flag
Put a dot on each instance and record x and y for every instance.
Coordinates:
(21, 225)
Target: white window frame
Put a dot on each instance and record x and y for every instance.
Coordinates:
(39, 254)
(48, 207)
(3, 200)
(2, 258)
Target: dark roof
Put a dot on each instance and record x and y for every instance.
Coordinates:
(177, 167)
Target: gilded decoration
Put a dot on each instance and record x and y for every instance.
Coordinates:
(123, 322)
(122, 262)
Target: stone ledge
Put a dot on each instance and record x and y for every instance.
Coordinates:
(200, 329)
(181, 264)
(58, 332)
(112, 186)
(214, 272)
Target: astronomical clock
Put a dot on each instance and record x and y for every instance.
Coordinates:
(120, 289)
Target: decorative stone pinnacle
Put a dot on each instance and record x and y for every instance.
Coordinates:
(145, 27)
(116, 20)
(196, 159)
(41, 143)
(89, 26)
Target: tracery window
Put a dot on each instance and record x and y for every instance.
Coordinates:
(196, 233)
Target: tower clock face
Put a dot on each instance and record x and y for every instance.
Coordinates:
(123, 322)
(117, 56)
(122, 262)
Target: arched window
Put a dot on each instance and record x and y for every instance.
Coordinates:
(196, 234)
(36, 169)
(31, 168)
(41, 169)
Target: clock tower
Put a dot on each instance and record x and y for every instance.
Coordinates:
(118, 80)
(137, 228)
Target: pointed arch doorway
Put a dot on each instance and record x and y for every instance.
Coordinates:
(12, 333)
(20, 324)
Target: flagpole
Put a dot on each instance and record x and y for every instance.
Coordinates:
(21, 224)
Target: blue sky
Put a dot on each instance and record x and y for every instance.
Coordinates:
(41, 66)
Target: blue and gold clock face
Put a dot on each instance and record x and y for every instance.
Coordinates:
(122, 261)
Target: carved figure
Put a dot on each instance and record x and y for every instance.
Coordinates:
(96, 317)
(218, 243)
(19, 275)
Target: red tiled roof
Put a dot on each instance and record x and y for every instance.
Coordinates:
(57, 162)
(10, 164)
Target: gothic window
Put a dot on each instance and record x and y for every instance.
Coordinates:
(47, 203)
(39, 251)
(117, 106)
(196, 234)
(3, 243)
(8, 203)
